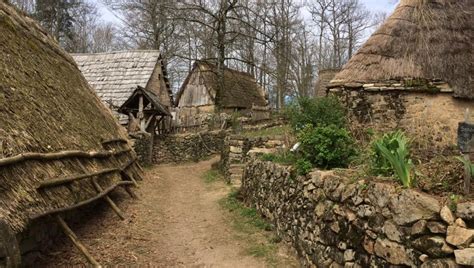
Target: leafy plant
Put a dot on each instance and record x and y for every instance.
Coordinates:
(303, 166)
(317, 112)
(467, 165)
(394, 149)
(379, 164)
(327, 146)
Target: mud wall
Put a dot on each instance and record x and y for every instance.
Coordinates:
(187, 147)
(334, 221)
(432, 119)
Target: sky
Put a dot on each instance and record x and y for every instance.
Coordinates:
(373, 5)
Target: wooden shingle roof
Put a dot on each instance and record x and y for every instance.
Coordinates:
(115, 75)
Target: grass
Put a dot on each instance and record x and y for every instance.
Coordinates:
(252, 229)
(276, 131)
(211, 176)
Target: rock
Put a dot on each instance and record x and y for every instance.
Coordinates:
(351, 265)
(465, 211)
(349, 255)
(434, 246)
(380, 193)
(423, 257)
(342, 245)
(464, 256)
(459, 222)
(391, 231)
(446, 215)
(440, 263)
(349, 191)
(436, 227)
(236, 150)
(320, 209)
(419, 228)
(459, 236)
(335, 265)
(368, 245)
(392, 252)
(411, 206)
(365, 211)
(335, 227)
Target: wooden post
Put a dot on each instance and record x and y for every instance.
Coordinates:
(72, 236)
(141, 115)
(108, 200)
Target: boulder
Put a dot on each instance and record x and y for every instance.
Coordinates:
(391, 231)
(465, 211)
(392, 252)
(419, 228)
(446, 215)
(436, 227)
(434, 246)
(411, 206)
(464, 256)
(459, 236)
(440, 263)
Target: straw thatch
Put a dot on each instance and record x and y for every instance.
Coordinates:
(427, 39)
(241, 90)
(46, 106)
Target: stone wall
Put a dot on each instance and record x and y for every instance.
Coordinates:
(187, 147)
(333, 221)
(143, 146)
(432, 119)
(324, 77)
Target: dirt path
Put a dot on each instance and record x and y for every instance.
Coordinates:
(176, 222)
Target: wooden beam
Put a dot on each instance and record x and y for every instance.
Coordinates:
(72, 236)
(108, 200)
(55, 182)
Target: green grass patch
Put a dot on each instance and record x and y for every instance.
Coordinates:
(250, 227)
(211, 176)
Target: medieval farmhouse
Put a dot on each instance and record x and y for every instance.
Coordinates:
(415, 72)
(241, 94)
(116, 75)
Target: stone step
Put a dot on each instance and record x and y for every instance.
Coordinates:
(237, 165)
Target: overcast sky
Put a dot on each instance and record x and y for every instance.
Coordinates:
(373, 5)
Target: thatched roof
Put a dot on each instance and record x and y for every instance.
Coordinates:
(427, 39)
(241, 90)
(115, 75)
(46, 108)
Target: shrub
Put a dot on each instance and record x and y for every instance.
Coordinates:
(393, 148)
(326, 146)
(303, 166)
(317, 112)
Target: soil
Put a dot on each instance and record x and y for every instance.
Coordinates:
(176, 221)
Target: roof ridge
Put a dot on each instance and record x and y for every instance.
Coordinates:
(115, 52)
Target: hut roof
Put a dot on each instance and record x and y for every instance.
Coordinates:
(241, 90)
(151, 99)
(115, 75)
(428, 39)
(46, 109)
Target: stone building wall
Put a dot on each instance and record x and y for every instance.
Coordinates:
(333, 221)
(187, 147)
(432, 119)
(324, 77)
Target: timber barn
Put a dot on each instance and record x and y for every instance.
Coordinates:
(115, 76)
(241, 93)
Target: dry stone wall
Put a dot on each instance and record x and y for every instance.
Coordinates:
(187, 147)
(333, 221)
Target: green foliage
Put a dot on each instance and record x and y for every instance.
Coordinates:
(303, 166)
(317, 112)
(391, 153)
(378, 163)
(467, 165)
(326, 146)
(211, 176)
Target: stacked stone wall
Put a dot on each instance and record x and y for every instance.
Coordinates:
(333, 221)
(187, 147)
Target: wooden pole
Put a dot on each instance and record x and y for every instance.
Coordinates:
(108, 200)
(76, 241)
(141, 115)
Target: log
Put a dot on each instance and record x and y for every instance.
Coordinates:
(72, 236)
(55, 182)
(126, 177)
(59, 155)
(83, 203)
(108, 200)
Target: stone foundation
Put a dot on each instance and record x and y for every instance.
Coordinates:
(187, 147)
(333, 221)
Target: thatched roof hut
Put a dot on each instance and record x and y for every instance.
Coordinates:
(324, 77)
(241, 90)
(56, 136)
(115, 75)
(429, 41)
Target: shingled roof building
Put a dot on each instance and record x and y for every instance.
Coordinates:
(116, 75)
(197, 94)
(415, 72)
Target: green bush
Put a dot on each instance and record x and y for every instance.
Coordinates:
(391, 154)
(326, 146)
(317, 112)
(303, 166)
